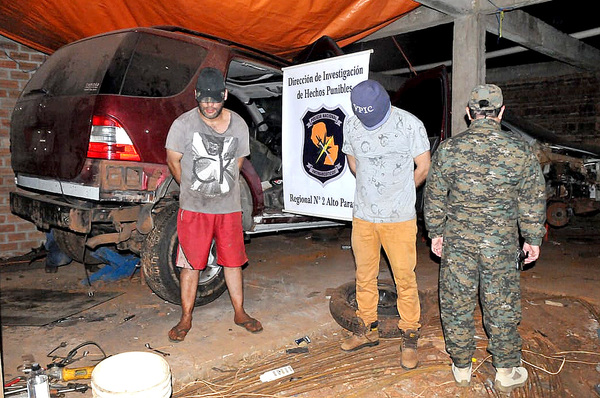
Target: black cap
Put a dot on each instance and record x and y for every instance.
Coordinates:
(210, 84)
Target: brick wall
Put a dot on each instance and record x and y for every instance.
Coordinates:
(564, 101)
(17, 64)
(567, 106)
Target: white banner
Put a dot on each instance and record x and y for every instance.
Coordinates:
(316, 101)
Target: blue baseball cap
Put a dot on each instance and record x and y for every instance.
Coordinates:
(371, 104)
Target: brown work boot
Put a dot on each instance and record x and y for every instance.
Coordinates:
(410, 360)
(364, 337)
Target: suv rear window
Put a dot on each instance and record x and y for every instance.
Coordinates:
(76, 69)
(135, 64)
(161, 67)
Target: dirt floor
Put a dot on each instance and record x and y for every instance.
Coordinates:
(288, 286)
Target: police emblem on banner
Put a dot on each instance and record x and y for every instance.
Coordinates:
(322, 156)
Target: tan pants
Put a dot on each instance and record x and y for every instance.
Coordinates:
(399, 242)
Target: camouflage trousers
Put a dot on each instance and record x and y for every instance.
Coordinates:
(466, 271)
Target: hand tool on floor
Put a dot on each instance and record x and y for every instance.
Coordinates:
(72, 387)
(61, 345)
(165, 354)
(16, 393)
(13, 381)
(67, 374)
(54, 391)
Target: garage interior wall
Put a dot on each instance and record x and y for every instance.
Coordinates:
(17, 64)
(555, 96)
(564, 101)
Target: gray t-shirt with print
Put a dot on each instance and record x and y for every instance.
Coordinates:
(209, 166)
(385, 186)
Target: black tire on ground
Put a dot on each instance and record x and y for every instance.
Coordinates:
(73, 245)
(159, 254)
(342, 306)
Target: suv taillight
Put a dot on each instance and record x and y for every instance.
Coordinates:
(108, 140)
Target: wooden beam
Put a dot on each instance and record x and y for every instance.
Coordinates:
(453, 8)
(464, 7)
(517, 26)
(489, 8)
(418, 19)
(468, 67)
(428, 16)
(532, 33)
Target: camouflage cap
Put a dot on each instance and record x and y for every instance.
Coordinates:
(486, 97)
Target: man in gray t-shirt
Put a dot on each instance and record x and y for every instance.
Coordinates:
(206, 147)
(209, 165)
(388, 152)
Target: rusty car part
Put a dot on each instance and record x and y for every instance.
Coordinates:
(110, 238)
(557, 214)
(572, 182)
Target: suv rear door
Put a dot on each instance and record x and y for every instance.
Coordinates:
(105, 79)
(51, 122)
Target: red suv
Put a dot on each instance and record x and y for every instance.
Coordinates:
(88, 135)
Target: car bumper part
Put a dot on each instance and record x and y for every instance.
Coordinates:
(47, 211)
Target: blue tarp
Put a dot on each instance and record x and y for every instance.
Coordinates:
(117, 266)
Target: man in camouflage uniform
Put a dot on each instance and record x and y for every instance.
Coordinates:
(484, 186)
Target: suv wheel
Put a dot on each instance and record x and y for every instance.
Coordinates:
(73, 245)
(159, 254)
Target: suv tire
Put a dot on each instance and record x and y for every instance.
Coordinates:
(159, 254)
(73, 245)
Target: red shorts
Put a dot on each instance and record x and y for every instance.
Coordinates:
(196, 232)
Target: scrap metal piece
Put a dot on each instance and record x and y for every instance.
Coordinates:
(557, 214)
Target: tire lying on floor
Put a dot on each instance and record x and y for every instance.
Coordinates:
(342, 306)
(159, 255)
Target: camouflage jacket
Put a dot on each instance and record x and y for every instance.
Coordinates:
(485, 181)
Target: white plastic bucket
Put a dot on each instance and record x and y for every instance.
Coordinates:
(133, 375)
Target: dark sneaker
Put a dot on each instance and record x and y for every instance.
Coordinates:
(364, 337)
(410, 360)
